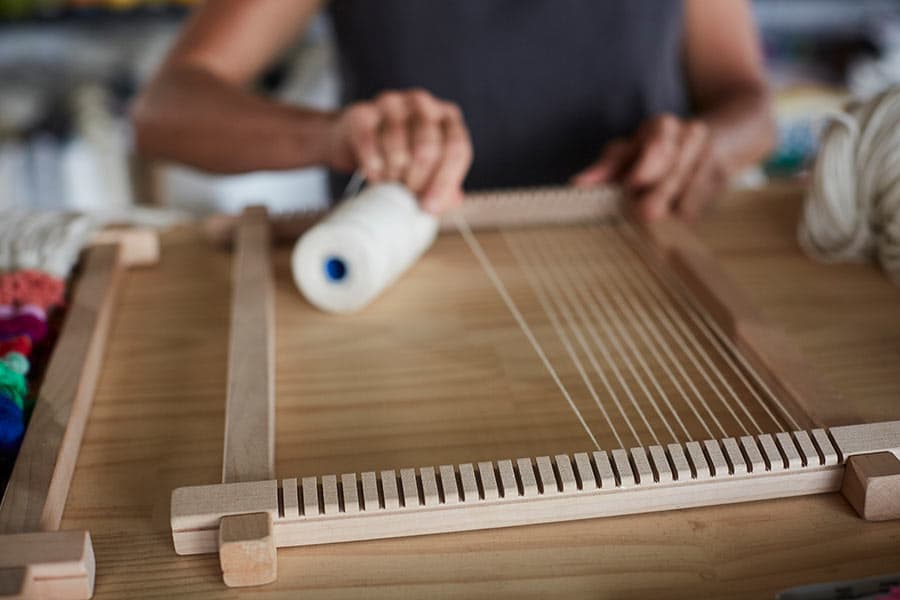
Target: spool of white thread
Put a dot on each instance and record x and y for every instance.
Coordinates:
(345, 261)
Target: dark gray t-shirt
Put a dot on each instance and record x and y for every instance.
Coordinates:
(543, 84)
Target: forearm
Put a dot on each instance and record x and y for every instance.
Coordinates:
(742, 129)
(190, 116)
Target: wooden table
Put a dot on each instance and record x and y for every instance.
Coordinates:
(157, 423)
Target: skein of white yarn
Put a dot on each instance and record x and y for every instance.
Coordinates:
(852, 210)
(345, 261)
(46, 241)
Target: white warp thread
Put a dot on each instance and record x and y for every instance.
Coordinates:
(44, 241)
(852, 210)
(374, 237)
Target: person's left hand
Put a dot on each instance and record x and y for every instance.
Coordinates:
(668, 167)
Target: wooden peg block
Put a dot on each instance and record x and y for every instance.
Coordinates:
(291, 495)
(826, 448)
(623, 467)
(566, 474)
(547, 476)
(872, 485)
(526, 474)
(429, 486)
(247, 550)
(716, 458)
(508, 479)
(808, 451)
(754, 457)
(642, 466)
(789, 450)
(772, 455)
(391, 493)
(607, 479)
(661, 464)
(735, 458)
(370, 490)
(138, 246)
(488, 480)
(350, 492)
(698, 460)
(681, 467)
(310, 489)
(16, 582)
(52, 564)
(469, 482)
(409, 486)
(448, 484)
(330, 501)
(585, 471)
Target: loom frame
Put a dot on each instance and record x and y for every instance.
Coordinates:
(248, 516)
(37, 559)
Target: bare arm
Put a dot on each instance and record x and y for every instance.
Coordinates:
(198, 110)
(674, 165)
(727, 80)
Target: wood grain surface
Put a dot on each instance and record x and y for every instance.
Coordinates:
(434, 373)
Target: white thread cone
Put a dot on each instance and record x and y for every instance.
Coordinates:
(344, 262)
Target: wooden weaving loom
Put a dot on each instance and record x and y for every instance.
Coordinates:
(696, 399)
(37, 560)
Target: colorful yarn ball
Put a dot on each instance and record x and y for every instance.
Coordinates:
(20, 344)
(13, 385)
(12, 310)
(23, 324)
(17, 362)
(893, 594)
(12, 425)
(31, 287)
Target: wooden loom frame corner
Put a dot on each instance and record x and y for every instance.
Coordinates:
(36, 558)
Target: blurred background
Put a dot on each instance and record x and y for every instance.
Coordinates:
(68, 69)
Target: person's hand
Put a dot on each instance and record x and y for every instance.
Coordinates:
(406, 136)
(668, 167)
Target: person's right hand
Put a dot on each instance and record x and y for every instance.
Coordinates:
(406, 136)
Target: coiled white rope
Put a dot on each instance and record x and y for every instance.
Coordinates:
(46, 241)
(852, 210)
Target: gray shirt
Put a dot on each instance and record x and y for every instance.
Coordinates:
(543, 84)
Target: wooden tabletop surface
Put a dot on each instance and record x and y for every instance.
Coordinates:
(157, 423)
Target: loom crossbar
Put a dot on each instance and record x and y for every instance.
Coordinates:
(340, 508)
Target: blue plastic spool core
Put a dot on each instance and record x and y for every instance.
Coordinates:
(335, 269)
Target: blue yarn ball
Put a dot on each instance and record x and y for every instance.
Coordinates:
(12, 426)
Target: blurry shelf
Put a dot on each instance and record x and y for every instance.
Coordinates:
(127, 12)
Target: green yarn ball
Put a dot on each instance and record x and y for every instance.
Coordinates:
(17, 362)
(13, 384)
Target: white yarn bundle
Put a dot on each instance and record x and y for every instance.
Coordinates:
(362, 247)
(46, 241)
(852, 211)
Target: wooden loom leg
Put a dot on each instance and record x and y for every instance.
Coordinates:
(138, 247)
(247, 551)
(871, 481)
(872, 485)
(59, 564)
